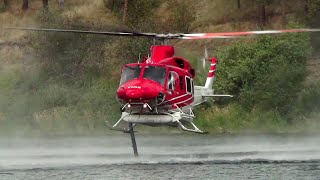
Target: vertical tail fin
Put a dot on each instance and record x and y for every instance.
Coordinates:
(210, 77)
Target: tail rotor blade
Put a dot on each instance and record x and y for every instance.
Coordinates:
(203, 63)
(205, 58)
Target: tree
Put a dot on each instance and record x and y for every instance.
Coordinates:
(306, 6)
(114, 5)
(263, 15)
(25, 5)
(125, 11)
(238, 4)
(263, 12)
(6, 3)
(45, 4)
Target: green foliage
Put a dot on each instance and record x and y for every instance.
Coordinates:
(313, 8)
(266, 74)
(313, 20)
(309, 99)
(69, 55)
(68, 85)
(235, 119)
(130, 50)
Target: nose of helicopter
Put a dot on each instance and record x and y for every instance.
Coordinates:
(139, 90)
(134, 94)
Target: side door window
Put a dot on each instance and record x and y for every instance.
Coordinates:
(192, 86)
(171, 83)
(189, 85)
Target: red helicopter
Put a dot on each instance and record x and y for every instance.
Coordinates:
(160, 89)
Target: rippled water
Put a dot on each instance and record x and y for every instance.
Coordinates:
(161, 157)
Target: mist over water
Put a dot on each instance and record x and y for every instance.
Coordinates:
(162, 157)
(27, 153)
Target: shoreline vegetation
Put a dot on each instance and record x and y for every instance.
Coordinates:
(64, 84)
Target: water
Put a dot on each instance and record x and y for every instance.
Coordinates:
(161, 157)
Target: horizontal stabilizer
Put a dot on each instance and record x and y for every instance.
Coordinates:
(218, 95)
(207, 92)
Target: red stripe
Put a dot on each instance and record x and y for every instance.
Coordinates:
(212, 67)
(213, 60)
(211, 74)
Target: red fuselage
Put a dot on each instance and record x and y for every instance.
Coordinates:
(162, 81)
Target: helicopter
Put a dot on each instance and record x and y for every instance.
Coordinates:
(160, 89)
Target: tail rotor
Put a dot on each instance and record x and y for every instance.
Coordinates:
(205, 58)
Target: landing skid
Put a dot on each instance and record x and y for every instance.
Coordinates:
(194, 130)
(179, 115)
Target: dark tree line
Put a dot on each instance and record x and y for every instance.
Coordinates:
(25, 4)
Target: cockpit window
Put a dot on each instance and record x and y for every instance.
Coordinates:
(130, 72)
(155, 73)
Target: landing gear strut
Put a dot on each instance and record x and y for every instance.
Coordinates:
(133, 140)
(127, 130)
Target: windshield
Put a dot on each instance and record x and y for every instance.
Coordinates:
(130, 72)
(155, 73)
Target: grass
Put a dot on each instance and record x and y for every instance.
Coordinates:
(233, 119)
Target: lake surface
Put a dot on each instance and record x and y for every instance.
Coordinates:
(162, 157)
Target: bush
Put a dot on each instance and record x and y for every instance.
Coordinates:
(266, 74)
(309, 99)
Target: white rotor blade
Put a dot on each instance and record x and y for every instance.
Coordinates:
(243, 33)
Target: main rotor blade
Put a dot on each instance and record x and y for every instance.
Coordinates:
(86, 32)
(243, 33)
(222, 35)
